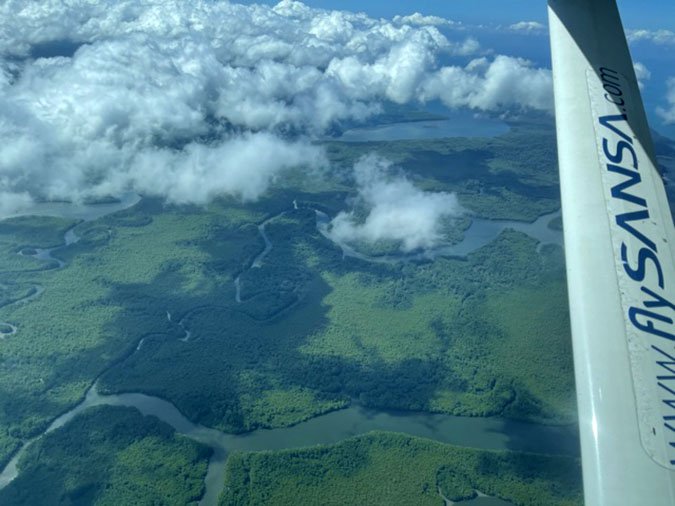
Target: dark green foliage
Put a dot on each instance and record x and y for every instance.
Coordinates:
(35, 231)
(110, 456)
(454, 484)
(387, 468)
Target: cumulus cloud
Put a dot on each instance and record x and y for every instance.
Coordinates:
(660, 37)
(148, 94)
(527, 27)
(396, 209)
(417, 19)
(642, 73)
(490, 85)
(668, 113)
(244, 166)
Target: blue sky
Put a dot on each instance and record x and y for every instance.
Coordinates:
(653, 14)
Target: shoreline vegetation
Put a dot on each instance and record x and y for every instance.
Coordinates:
(313, 330)
(389, 468)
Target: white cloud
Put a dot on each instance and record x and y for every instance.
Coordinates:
(660, 37)
(642, 74)
(468, 47)
(490, 85)
(139, 81)
(417, 19)
(396, 209)
(528, 27)
(668, 113)
(244, 166)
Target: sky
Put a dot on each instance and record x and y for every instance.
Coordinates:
(189, 101)
(651, 14)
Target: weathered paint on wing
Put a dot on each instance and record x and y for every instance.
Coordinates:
(619, 242)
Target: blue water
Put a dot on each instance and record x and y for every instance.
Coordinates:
(459, 124)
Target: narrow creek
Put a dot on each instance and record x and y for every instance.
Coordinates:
(484, 433)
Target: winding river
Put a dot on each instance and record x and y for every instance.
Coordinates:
(484, 433)
(83, 212)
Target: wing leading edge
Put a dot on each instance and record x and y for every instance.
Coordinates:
(619, 241)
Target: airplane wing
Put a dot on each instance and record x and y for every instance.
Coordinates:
(619, 243)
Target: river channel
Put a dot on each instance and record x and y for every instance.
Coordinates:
(484, 433)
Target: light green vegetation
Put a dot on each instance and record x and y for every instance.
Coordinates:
(461, 337)
(533, 322)
(110, 456)
(393, 469)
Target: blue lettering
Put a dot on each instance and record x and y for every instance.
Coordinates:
(606, 121)
(640, 272)
(635, 312)
(633, 179)
(658, 300)
(666, 364)
(623, 221)
(618, 157)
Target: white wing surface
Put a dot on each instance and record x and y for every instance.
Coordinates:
(619, 241)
